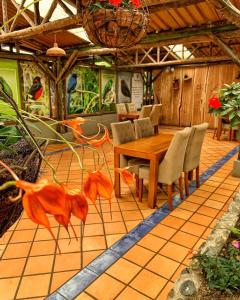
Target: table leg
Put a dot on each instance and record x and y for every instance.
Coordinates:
(117, 186)
(153, 177)
(219, 129)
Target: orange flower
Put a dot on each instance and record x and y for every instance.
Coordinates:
(100, 142)
(126, 175)
(78, 204)
(41, 198)
(98, 184)
(75, 125)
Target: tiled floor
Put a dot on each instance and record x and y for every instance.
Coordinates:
(31, 267)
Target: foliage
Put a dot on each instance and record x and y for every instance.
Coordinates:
(111, 4)
(221, 273)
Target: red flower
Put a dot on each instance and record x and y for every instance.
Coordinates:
(75, 125)
(126, 175)
(100, 142)
(137, 3)
(214, 103)
(98, 184)
(115, 2)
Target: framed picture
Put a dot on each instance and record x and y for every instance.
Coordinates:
(124, 87)
(108, 90)
(35, 90)
(9, 79)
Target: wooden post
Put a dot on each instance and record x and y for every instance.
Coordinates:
(5, 15)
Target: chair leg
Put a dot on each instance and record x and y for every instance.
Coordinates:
(230, 135)
(190, 175)
(169, 190)
(214, 133)
(181, 187)
(137, 185)
(156, 129)
(197, 177)
(140, 189)
(186, 183)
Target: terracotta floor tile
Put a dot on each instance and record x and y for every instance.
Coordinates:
(189, 206)
(98, 287)
(184, 239)
(60, 278)
(212, 183)
(178, 272)
(174, 251)
(26, 224)
(139, 255)
(224, 192)
(163, 295)
(132, 215)
(213, 223)
(193, 228)
(112, 217)
(39, 265)
(152, 242)
(181, 213)
(22, 236)
(195, 199)
(67, 261)
(43, 248)
(173, 222)
(128, 206)
(207, 188)
(163, 266)
(201, 219)
(113, 238)
(131, 224)
(17, 250)
(208, 211)
(43, 234)
(219, 198)
(40, 284)
(11, 267)
(84, 296)
(90, 256)
(6, 237)
(214, 204)
(201, 193)
(131, 294)
(207, 233)
(218, 179)
(94, 243)
(8, 288)
(116, 227)
(153, 283)
(123, 270)
(93, 229)
(92, 219)
(228, 186)
(163, 231)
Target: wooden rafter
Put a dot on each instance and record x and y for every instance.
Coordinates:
(23, 13)
(14, 22)
(167, 4)
(50, 11)
(5, 15)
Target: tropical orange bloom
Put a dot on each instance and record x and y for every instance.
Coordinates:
(78, 203)
(75, 125)
(98, 184)
(100, 142)
(126, 175)
(44, 198)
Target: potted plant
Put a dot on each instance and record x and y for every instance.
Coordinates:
(115, 23)
(228, 106)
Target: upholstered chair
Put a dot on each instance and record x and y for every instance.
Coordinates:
(155, 116)
(145, 111)
(170, 169)
(121, 108)
(131, 107)
(143, 128)
(193, 152)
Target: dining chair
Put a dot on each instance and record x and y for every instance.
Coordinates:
(143, 128)
(131, 107)
(155, 116)
(145, 111)
(193, 152)
(121, 108)
(170, 168)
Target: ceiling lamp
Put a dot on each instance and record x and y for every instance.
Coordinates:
(55, 50)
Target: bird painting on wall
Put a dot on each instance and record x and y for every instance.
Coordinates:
(36, 90)
(125, 89)
(71, 86)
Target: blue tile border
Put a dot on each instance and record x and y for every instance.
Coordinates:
(78, 283)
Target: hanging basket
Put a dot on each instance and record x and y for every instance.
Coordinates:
(115, 28)
(25, 161)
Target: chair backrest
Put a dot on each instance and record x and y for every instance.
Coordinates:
(194, 147)
(121, 108)
(122, 132)
(143, 128)
(145, 111)
(155, 114)
(131, 107)
(172, 165)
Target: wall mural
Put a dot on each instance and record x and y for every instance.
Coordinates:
(124, 87)
(82, 91)
(108, 90)
(36, 90)
(9, 79)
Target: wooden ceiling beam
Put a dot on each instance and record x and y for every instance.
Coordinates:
(5, 16)
(23, 13)
(167, 4)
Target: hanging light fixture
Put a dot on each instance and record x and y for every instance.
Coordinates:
(55, 50)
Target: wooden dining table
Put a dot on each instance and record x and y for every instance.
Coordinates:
(150, 148)
(128, 115)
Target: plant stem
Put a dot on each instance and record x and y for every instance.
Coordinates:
(14, 175)
(6, 185)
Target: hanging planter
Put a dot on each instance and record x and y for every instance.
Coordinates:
(115, 23)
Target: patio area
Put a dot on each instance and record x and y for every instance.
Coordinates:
(154, 253)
